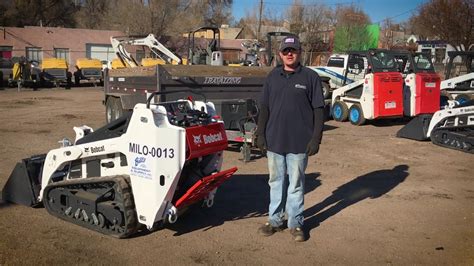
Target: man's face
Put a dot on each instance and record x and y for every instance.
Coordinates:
(290, 57)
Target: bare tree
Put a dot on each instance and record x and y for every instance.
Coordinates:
(451, 21)
(217, 12)
(249, 23)
(296, 17)
(91, 14)
(39, 12)
(312, 23)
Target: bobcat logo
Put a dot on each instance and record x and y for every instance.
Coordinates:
(197, 139)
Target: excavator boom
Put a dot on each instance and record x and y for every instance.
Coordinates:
(119, 43)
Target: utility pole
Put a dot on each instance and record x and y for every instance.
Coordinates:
(259, 20)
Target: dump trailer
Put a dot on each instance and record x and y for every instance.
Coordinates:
(234, 91)
(89, 70)
(143, 169)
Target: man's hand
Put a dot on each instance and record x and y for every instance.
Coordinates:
(261, 144)
(312, 148)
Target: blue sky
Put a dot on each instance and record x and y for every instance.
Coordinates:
(378, 10)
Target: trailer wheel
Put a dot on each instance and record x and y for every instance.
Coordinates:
(326, 90)
(109, 110)
(339, 111)
(119, 112)
(462, 98)
(77, 78)
(356, 116)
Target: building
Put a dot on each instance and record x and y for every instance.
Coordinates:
(37, 43)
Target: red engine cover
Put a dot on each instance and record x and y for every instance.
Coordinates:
(427, 93)
(204, 140)
(388, 94)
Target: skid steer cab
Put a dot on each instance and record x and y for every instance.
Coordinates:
(376, 96)
(421, 87)
(145, 168)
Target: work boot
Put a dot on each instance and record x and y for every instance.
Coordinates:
(298, 234)
(267, 229)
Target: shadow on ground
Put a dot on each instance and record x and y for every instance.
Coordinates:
(389, 122)
(241, 197)
(368, 186)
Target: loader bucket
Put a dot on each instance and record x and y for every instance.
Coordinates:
(24, 184)
(417, 128)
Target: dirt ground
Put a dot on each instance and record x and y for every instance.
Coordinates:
(371, 198)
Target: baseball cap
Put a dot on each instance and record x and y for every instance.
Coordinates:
(290, 42)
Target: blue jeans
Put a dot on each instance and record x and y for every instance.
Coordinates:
(286, 188)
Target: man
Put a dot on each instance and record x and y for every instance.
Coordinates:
(290, 128)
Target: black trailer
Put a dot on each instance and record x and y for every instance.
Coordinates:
(233, 90)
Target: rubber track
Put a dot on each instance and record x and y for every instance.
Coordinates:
(461, 139)
(123, 198)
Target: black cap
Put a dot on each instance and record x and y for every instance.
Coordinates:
(290, 42)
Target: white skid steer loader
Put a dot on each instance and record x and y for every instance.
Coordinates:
(143, 169)
(378, 95)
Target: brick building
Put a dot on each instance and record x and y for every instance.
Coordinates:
(37, 43)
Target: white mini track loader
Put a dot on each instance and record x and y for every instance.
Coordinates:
(378, 95)
(459, 77)
(144, 168)
(452, 127)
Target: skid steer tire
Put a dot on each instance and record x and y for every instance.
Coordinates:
(340, 111)
(356, 116)
(326, 90)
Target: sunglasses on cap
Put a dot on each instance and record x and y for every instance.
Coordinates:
(286, 51)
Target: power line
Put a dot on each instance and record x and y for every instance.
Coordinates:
(306, 5)
(401, 14)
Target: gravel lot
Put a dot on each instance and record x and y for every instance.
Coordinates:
(371, 198)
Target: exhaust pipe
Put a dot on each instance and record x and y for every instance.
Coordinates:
(417, 128)
(24, 184)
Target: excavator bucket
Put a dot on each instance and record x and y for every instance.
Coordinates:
(23, 185)
(417, 128)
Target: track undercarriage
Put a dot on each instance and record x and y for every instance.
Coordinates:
(103, 204)
(454, 137)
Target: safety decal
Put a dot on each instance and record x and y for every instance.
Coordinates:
(140, 168)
